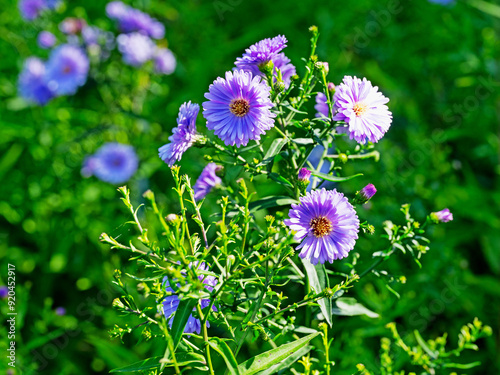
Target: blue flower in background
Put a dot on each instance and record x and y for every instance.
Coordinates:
(326, 224)
(31, 9)
(171, 303)
(164, 61)
(115, 163)
(183, 136)
(207, 181)
(67, 69)
(136, 48)
(442, 2)
(239, 108)
(46, 39)
(130, 19)
(321, 106)
(32, 85)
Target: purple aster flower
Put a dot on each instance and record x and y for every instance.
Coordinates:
(442, 216)
(31, 9)
(4, 292)
(207, 181)
(136, 48)
(164, 61)
(171, 303)
(239, 108)
(130, 19)
(67, 69)
(46, 39)
(259, 54)
(72, 26)
(32, 85)
(60, 311)
(114, 163)
(365, 194)
(321, 106)
(326, 224)
(363, 108)
(183, 136)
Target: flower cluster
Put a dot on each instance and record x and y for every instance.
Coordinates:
(135, 42)
(32, 9)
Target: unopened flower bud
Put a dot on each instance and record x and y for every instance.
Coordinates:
(365, 194)
(304, 178)
(322, 66)
(343, 158)
(280, 87)
(118, 304)
(442, 216)
(267, 68)
(331, 87)
(171, 219)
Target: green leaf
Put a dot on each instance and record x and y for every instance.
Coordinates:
(269, 202)
(348, 306)
(288, 361)
(423, 344)
(486, 7)
(221, 347)
(279, 179)
(303, 141)
(275, 148)
(318, 281)
(328, 177)
(267, 359)
(187, 358)
(181, 317)
(147, 364)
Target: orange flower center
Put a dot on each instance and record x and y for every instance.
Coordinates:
(321, 226)
(359, 109)
(239, 107)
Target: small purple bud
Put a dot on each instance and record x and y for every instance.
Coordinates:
(442, 216)
(46, 39)
(304, 175)
(365, 194)
(331, 87)
(4, 292)
(60, 311)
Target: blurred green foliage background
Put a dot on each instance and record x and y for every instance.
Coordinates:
(437, 64)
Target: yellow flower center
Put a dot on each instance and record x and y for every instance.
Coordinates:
(239, 107)
(321, 226)
(359, 109)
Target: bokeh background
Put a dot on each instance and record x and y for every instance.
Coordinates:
(438, 65)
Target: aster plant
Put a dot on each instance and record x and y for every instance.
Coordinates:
(270, 226)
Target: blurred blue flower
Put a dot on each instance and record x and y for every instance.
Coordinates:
(442, 2)
(171, 303)
(164, 61)
(130, 19)
(32, 84)
(46, 39)
(321, 106)
(115, 163)
(363, 108)
(239, 108)
(4, 292)
(67, 69)
(326, 224)
(183, 136)
(60, 311)
(207, 181)
(136, 48)
(31, 9)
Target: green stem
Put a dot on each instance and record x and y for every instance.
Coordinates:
(205, 338)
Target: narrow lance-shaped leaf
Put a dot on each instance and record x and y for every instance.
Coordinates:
(332, 178)
(318, 281)
(181, 317)
(267, 359)
(221, 347)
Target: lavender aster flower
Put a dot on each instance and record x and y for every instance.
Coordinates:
(60, 311)
(259, 54)
(113, 162)
(238, 109)
(304, 174)
(164, 61)
(326, 224)
(207, 181)
(365, 194)
(46, 39)
(363, 108)
(171, 303)
(442, 216)
(67, 69)
(32, 85)
(4, 292)
(31, 9)
(183, 136)
(321, 106)
(136, 48)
